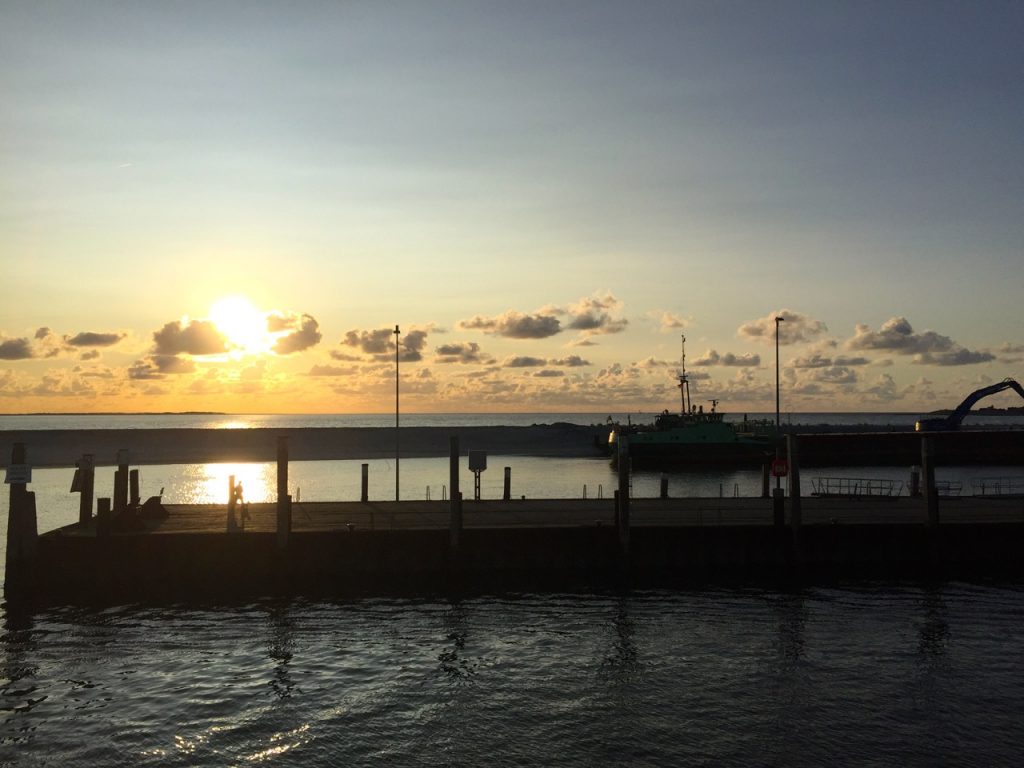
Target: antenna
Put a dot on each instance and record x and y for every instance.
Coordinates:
(684, 382)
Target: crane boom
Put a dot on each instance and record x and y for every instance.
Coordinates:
(953, 420)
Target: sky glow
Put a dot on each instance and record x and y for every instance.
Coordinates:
(543, 196)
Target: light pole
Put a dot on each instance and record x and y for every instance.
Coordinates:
(778, 421)
(397, 332)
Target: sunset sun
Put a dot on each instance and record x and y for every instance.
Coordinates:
(242, 324)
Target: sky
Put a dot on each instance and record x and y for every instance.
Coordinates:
(230, 206)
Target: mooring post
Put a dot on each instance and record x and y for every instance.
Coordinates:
(283, 499)
(507, 493)
(765, 481)
(915, 481)
(121, 482)
(102, 517)
(22, 529)
(232, 495)
(664, 486)
(931, 494)
(87, 480)
(795, 507)
(623, 496)
(133, 485)
(284, 522)
(364, 495)
(455, 501)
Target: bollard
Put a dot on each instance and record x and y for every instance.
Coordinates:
(779, 507)
(915, 481)
(364, 494)
(455, 525)
(765, 481)
(507, 494)
(87, 468)
(664, 486)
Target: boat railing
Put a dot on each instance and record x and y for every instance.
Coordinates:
(856, 487)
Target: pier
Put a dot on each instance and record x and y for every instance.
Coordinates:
(129, 549)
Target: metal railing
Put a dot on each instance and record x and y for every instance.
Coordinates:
(855, 487)
(998, 486)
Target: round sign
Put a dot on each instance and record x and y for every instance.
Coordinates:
(780, 467)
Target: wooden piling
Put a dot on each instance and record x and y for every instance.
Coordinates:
(623, 496)
(795, 504)
(87, 481)
(103, 515)
(121, 482)
(133, 485)
(507, 493)
(22, 528)
(364, 494)
(664, 487)
(931, 494)
(765, 481)
(284, 522)
(455, 503)
(283, 499)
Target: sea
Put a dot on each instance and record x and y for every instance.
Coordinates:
(851, 673)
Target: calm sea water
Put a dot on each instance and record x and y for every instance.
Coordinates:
(861, 674)
(865, 675)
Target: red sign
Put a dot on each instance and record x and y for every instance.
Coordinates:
(780, 468)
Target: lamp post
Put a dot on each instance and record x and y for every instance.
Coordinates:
(778, 421)
(397, 332)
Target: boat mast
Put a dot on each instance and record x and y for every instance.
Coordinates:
(684, 382)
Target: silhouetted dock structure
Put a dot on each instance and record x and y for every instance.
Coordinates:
(135, 550)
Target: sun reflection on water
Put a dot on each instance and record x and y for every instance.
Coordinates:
(209, 483)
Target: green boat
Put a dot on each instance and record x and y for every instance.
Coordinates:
(693, 437)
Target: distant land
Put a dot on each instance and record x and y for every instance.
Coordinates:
(988, 410)
(121, 413)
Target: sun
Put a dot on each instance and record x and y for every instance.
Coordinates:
(244, 326)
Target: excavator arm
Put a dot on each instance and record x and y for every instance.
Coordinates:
(957, 416)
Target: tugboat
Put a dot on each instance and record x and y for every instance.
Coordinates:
(693, 437)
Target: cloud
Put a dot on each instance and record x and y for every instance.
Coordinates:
(959, 356)
(379, 343)
(711, 357)
(15, 349)
(670, 321)
(332, 370)
(572, 361)
(817, 360)
(467, 353)
(594, 315)
(91, 354)
(514, 325)
(198, 337)
(928, 348)
(344, 357)
(795, 328)
(524, 361)
(548, 373)
(303, 332)
(42, 333)
(91, 339)
(1011, 353)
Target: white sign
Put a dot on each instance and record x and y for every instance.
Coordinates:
(18, 473)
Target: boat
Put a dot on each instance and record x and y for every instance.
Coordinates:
(693, 437)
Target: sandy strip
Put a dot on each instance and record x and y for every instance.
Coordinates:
(62, 447)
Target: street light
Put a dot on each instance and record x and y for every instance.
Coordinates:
(397, 332)
(778, 422)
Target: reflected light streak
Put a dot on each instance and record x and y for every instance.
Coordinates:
(208, 483)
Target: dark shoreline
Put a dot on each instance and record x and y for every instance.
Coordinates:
(63, 447)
